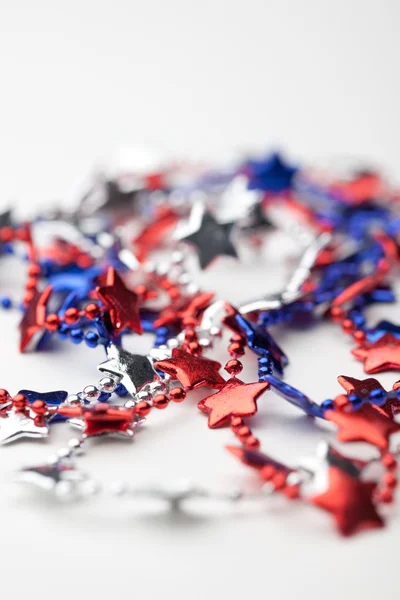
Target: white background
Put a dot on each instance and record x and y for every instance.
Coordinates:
(198, 80)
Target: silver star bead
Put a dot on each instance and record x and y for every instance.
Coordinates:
(173, 495)
(60, 478)
(134, 370)
(15, 426)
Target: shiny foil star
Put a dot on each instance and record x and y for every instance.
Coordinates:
(257, 460)
(103, 419)
(123, 304)
(61, 479)
(134, 370)
(350, 502)
(210, 238)
(17, 425)
(191, 371)
(363, 388)
(381, 355)
(153, 234)
(32, 325)
(235, 399)
(364, 425)
(181, 309)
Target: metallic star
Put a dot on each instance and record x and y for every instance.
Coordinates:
(15, 425)
(350, 501)
(210, 238)
(102, 419)
(271, 174)
(381, 355)
(32, 325)
(327, 456)
(134, 370)
(363, 388)
(364, 425)
(52, 399)
(235, 399)
(191, 371)
(257, 460)
(177, 311)
(61, 479)
(122, 303)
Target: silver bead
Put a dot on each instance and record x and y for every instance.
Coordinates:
(215, 331)
(64, 453)
(131, 403)
(143, 396)
(73, 400)
(177, 257)
(107, 384)
(76, 446)
(172, 343)
(184, 279)
(90, 392)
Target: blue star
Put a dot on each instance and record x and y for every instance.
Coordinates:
(294, 396)
(262, 343)
(80, 282)
(270, 174)
(53, 399)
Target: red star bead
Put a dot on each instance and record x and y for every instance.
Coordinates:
(236, 399)
(32, 324)
(123, 304)
(382, 355)
(350, 502)
(364, 425)
(191, 371)
(176, 312)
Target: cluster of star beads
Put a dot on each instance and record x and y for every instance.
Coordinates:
(125, 261)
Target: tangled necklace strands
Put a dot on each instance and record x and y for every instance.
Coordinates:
(186, 323)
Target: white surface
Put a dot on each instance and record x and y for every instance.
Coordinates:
(198, 79)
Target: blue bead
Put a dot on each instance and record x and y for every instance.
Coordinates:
(377, 396)
(76, 335)
(63, 331)
(263, 378)
(264, 370)
(120, 390)
(92, 339)
(6, 302)
(162, 331)
(264, 361)
(327, 405)
(356, 401)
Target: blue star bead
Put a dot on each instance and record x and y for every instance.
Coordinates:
(381, 328)
(294, 396)
(53, 399)
(270, 174)
(262, 343)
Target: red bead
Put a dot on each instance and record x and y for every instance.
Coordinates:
(390, 480)
(141, 290)
(337, 314)
(386, 496)
(237, 338)
(71, 315)
(52, 322)
(31, 283)
(243, 433)
(389, 461)
(292, 491)
(28, 297)
(233, 367)
(252, 442)
(189, 322)
(143, 408)
(39, 421)
(194, 348)
(347, 325)
(6, 234)
(4, 396)
(359, 335)
(92, 311)
(341, 401)
(267, 472)
(236, 423)
(190, 335)
(39, 407)
(279, 480)
(34, 270)
(177, 394)
(236, 349)
(19, 402)
(160, 401)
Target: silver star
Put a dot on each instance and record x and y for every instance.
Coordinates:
(134, 370)
(60, 478)
(173, 495)
(15, 426)
(237, 200)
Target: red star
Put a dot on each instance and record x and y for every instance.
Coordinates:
(363, 388)
(256, 459)
(350, 502)
(101, 419)
(364, 425)
(182, 309)
(382, 355)
(32, 324)
(191, 371)
(236, 399)
(122, 304)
